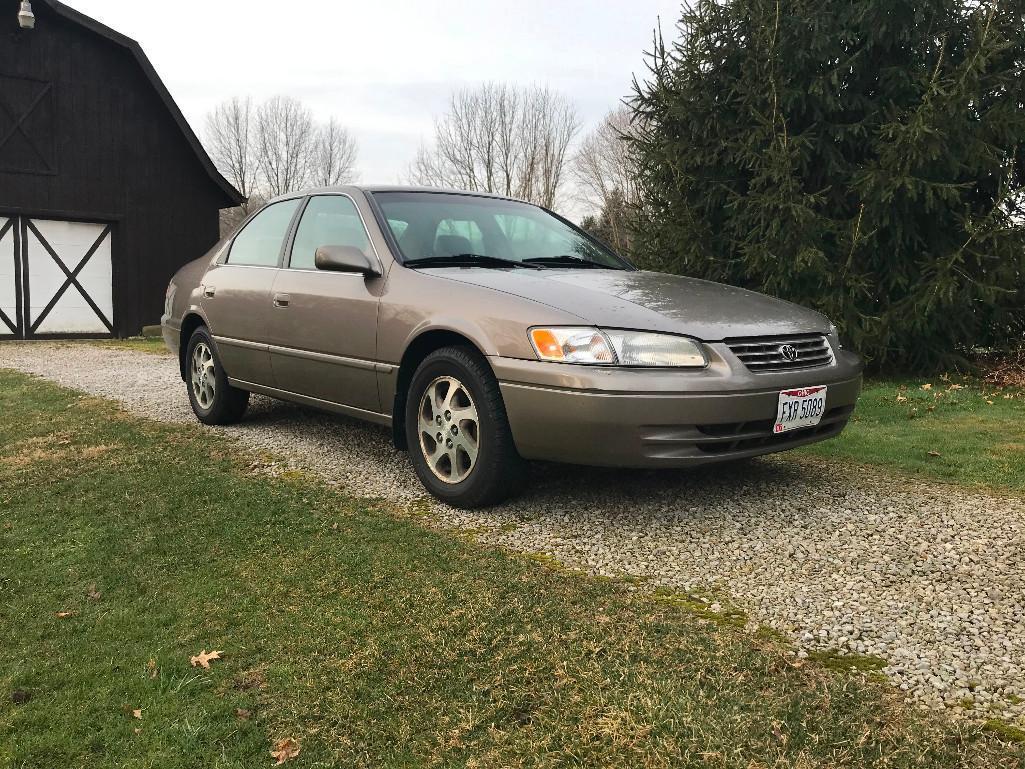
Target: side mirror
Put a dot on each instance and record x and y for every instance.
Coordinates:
(344, 259)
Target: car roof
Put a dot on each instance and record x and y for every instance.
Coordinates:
(372, 188)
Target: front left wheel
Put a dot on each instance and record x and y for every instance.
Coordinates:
(457, 431)
(214, 401)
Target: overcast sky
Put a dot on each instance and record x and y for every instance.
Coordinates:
(385, 67)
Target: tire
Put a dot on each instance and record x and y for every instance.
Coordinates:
(465, 407)
(213, 400)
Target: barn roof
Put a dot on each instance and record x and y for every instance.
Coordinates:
(233, 196)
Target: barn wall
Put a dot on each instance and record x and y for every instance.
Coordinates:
(115, 153)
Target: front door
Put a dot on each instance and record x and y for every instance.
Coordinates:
(56, 278)
(323, 329)
(237, 293)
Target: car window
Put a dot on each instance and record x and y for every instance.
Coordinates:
(527, 239)
(397, 227)
(438, 225)
(329, 220)
(259, 244)
(458, 236)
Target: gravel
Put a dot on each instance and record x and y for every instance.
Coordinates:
(930, 578)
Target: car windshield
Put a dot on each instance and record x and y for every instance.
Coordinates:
(435, 228)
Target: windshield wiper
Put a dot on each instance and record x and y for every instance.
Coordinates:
(466, 260)
(569, 260)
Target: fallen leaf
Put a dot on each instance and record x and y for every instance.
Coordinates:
(955, 387)
(935, 454)
(243, 714)
(901, 399)
(64, 614)
(151, 666)
(137, 731)
(137, 713)
(203, 659)
(93, 594)
(927, 387)
(989, 401)
(285, 750)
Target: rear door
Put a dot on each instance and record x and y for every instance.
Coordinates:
(237, 293)
(323, 331)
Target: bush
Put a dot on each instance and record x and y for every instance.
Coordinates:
(861, 158)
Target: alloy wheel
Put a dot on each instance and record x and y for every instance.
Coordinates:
(449, 429)
(203, 377)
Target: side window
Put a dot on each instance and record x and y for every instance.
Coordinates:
(259, 244)
(329, 220)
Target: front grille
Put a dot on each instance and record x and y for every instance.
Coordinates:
(782, 353)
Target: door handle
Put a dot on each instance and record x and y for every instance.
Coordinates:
(282, 300)
(209, 290)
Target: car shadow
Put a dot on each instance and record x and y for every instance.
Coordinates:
(553, 488)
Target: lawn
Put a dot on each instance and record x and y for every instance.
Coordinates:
(131, 546)
(958, 431)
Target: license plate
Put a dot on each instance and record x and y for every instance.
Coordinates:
(800, 408)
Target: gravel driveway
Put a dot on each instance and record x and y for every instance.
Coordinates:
(928, 577)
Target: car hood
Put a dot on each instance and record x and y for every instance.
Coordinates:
(651, 301)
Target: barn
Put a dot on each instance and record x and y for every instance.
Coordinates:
(105, 190)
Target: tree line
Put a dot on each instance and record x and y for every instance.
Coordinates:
(495, 137)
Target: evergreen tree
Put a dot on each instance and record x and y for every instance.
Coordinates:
(863, 158)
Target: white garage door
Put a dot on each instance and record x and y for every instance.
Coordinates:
(58, 279)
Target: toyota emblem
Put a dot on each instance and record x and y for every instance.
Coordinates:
(789, 352)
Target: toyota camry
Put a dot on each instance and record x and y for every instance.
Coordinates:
(486, 331)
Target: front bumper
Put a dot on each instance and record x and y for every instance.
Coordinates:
(663, 418)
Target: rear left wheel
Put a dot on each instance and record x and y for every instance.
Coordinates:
(214, 401)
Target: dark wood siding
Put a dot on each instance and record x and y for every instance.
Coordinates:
(116, 154)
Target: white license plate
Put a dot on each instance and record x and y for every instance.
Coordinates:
(799, 408)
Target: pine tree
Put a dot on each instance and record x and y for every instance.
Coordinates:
(863, 158)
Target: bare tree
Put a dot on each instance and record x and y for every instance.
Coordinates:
(273, 149)
(607, 175)
(334, 155)
(285, 141)
(497, 138)
(229, 135)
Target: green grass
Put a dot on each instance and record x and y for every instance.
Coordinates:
(371, 640)
(973, 436)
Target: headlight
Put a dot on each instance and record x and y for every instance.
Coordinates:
(572, 345)
(642, 348)
(613, 347)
